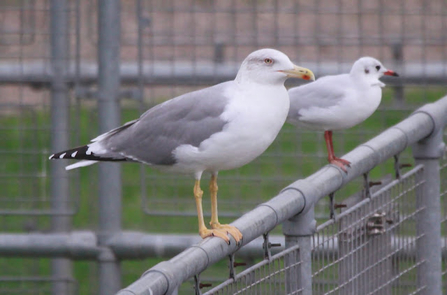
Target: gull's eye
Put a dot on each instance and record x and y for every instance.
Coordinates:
(366, 71)
(377, 68)
(268, 61)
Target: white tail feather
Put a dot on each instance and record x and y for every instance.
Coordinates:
(80, 164)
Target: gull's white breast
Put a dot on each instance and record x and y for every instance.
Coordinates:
(255, 116)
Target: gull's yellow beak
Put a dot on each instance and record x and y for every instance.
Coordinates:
(300, 72)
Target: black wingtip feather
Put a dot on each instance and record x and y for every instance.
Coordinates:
(80, 153)
(76, 153)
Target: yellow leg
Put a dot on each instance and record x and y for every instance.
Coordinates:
(203, 231)
(213, 193)
(215, 224)
(198, 197)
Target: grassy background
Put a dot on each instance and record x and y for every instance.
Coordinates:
(24, 148)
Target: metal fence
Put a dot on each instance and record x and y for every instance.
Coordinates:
(370, 248)
(72, 69)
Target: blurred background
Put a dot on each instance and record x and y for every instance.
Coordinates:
(167, 48)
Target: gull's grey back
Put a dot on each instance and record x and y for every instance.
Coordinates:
(317, 94)
(188, 119)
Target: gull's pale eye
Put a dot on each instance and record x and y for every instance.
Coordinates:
(268, 61)
(377, 68)
(366, 71)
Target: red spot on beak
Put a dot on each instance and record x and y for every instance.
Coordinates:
(391, 73)
(306, 77)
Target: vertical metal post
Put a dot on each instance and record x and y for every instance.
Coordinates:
(109, 30)
(298, 230)
(428, 222)
(61, 222)
(398, 56)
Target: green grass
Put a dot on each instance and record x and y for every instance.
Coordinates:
(24, 171)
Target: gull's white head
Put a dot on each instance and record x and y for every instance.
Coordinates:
(370, 69)
(270, 66)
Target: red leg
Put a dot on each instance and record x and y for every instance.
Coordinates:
(330, 151)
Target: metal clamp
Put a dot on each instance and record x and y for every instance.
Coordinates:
(367, 192)
(368, 184)
(198, 285)
(398, 166)
(232, 270)
(331, 206)
(376, 224)
(233, 265)
(266, 245)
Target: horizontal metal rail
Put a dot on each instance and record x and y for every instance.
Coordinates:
(83, 245)
(198, 73)
(295, 199)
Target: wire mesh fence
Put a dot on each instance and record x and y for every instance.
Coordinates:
(267, 277)
(169, 48)
(375, 242)
(370, 248)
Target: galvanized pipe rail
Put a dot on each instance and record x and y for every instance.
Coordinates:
(60, 195)
(200, 73)
(109, 116)
(127, 245)
(300, 197)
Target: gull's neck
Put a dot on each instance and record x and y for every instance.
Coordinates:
(242, 78)
(370, 82)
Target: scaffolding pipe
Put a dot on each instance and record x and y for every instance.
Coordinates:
(298, 230)
(110, 190)
(427, 152)
(300, 196)
(61, 268)
(197, 73)
(83, 245)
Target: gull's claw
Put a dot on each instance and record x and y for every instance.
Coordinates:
(232, 230)
(341, 163)
(220, 233)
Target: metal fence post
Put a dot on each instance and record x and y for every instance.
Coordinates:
(428, 222)
(298, 230)
(61, 267)
(109, 31)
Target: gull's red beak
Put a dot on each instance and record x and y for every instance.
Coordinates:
(391, 73)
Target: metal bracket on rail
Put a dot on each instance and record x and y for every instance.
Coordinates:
(331, 206)
(368, 184)
(266, 245)
(398, 166)
(367, 192)
(233, 265)
(232, 270)
(198, 285)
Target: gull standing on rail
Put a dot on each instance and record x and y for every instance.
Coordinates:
(339, 102)
(217, 128)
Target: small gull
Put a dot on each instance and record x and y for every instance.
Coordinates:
(217, 128)
(339, 102)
